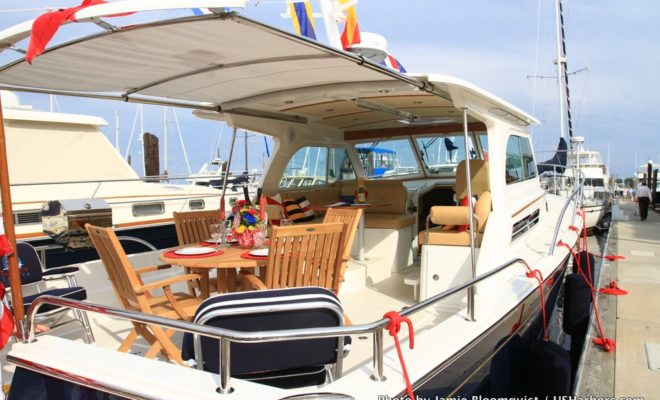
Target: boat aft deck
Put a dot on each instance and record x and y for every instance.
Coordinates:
(633, 369)
(363, 305)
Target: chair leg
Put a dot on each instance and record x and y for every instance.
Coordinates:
(87, 327)
(128, 342)
(165, 345)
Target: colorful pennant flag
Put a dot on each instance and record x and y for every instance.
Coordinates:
(351, 34)
(393, 63)
(302, 18)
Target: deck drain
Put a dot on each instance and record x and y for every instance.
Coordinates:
(653, 355)
(642, 253)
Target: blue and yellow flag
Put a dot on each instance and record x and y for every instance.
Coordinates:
(303, 20)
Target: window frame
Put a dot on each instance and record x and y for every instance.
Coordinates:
(523, 165)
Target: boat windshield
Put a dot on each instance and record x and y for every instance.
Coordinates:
(312, 166)
(442, 153)
(387, 158)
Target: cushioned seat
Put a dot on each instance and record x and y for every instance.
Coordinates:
(448, 237)
(285, 364)
(388, 221)
(454, 216)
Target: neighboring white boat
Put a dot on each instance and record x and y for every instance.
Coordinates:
(307, 95)
(572, 166)
(56, 157)
(596, 194)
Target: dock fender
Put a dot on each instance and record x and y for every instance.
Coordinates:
(547, 370)
(585, 262)
(577, 305)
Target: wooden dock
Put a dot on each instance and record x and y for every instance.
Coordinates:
(631, 320)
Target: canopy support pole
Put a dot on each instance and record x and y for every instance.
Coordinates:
(7, 212)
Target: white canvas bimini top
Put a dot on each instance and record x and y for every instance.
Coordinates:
(228, 63)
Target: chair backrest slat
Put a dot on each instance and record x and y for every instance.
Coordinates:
(194, 226)
(351, 218)
(305, 255)
(120, 271)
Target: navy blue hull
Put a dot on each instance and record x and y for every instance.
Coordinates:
(491, 364)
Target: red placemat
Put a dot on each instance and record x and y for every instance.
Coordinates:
(172, 254)
(248, 256)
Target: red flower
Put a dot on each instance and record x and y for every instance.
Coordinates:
(252, 211)
(241, 203)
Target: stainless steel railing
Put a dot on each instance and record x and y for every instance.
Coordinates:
(576, 195)
(226, 336)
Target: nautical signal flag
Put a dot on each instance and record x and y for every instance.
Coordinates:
(351, 34)
(393, 63)
(5, 246)
(6, 320)
(302, 18)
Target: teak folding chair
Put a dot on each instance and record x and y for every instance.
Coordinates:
(134, 294)
(195, 227)
(350, 217)
(304, 255)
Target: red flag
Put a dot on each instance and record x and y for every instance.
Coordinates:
(5, 246)
(46, 25)
(6, 321)
(351, 34)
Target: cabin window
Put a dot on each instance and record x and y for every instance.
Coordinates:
(442, 153)
(340, 167)
(153, 208)
(313, 166)
(387, 158)
(197, 204)
(529, 165)
(27, 217)
(520, 163)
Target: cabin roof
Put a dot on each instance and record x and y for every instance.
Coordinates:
(233, 65)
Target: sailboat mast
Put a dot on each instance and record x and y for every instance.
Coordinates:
(562, 75)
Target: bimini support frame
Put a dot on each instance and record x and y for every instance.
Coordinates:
(473, 261)
(7, 212)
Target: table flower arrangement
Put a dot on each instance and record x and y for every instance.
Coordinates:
(247, 226)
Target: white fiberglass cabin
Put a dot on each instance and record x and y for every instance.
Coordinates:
(468, 295)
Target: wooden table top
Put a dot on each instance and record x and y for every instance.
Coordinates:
(231, 258)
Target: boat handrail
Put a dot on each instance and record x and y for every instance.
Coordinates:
(577, 191)
(226, 336)
(150, 178)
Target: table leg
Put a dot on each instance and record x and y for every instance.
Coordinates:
(360, 238)
(226, 280)
(205, 283)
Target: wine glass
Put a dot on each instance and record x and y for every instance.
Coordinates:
(229, 236)
(217, 234)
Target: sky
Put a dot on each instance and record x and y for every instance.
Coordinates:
(507, 47)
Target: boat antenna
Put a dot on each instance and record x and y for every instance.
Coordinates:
(562, 75)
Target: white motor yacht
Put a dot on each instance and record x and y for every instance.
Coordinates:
(472, 294)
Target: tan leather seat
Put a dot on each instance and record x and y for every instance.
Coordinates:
(453, 216)
(449, 217)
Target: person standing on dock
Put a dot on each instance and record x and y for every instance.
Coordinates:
(643, 197)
